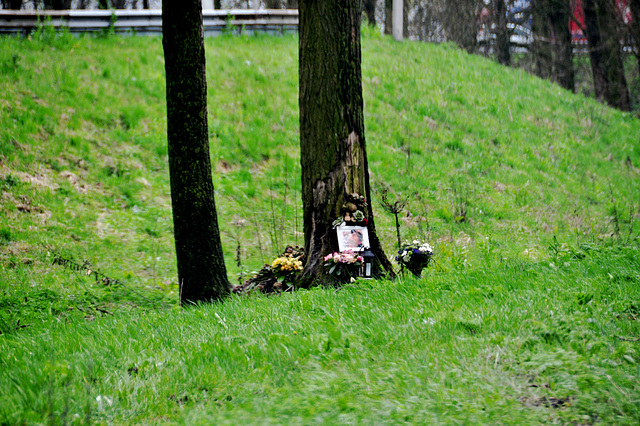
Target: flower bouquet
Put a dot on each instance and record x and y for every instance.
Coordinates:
(345, 266)
(284, 267)
(415, 256)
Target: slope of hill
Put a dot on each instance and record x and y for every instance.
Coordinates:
(529, 195)
(489, 157)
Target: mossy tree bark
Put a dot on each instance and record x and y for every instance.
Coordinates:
(332, 142)
(201, 270)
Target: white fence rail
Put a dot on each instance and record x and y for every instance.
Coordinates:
(148, 21)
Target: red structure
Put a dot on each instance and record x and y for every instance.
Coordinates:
(577, 23)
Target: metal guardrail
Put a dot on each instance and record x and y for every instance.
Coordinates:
(149, 22)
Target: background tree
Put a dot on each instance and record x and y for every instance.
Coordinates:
(12, 4)
(634, 8)
(201, 270)
(370, 11)
(605, 53)
(332, 142)
(388, 17)
(503, 45)
(551, 46)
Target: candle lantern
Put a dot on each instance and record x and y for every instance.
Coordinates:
(367, 265)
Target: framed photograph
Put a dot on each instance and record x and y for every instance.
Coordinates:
(354, 238)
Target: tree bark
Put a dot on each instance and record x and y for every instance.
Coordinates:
(503, 45)
(332, 142)
(273, 4)
(201, 270)
(562, 50)
(542, 36)
(605, 53)
(12, 4)
(634, 6)
(388, 17)
(370, 11)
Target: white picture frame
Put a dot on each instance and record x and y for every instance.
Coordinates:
(354, 238)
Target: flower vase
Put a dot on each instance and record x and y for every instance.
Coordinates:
(417, 264)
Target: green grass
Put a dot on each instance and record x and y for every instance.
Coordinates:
(531, 343)
(522, 318)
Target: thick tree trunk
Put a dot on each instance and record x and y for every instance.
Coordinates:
(332, 143)
(370, 11)
(201, 270)
(503, 47)
(605, 53)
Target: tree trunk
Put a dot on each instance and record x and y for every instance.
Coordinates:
(563, 72)
(541, 46)
(201, 270)
(609, 80)
(388, 17)
(332, 143)
(370, 11)
(503, 47)
(460, 24)
(406, 7)
(634, 6)
(12, 4)
(273, 4)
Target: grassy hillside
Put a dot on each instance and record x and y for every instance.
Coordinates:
(528, 193)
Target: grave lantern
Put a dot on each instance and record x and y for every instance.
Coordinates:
(367, 265)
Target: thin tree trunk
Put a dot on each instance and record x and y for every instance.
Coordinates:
(634, 6)
(406, 7)
(563, 72)
(332, 142)
(388, 17)
(201, 270)
(541, 45)
(503, 48)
